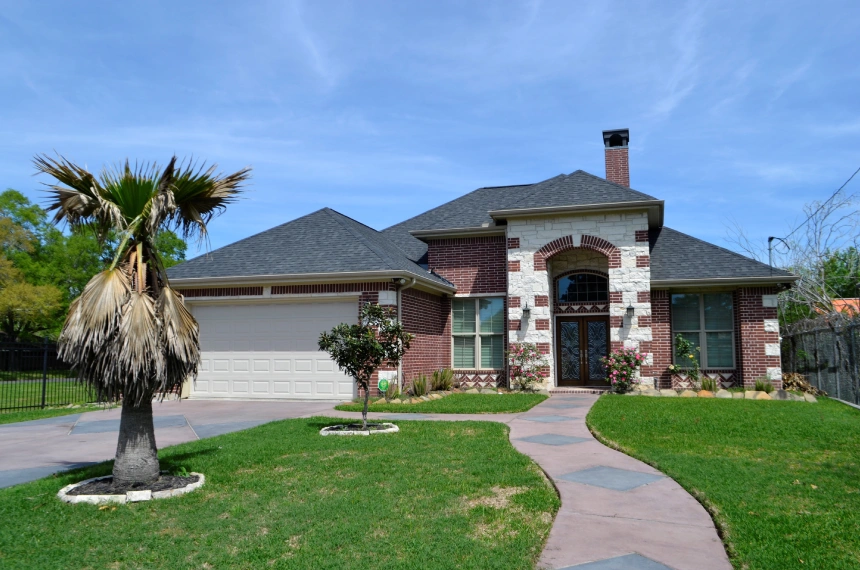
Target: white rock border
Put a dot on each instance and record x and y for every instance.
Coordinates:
(391, 428)
(129, 497)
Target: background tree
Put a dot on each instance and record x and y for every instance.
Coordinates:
(41, 254)
(27, 310)
(359, 350)
(128, 335)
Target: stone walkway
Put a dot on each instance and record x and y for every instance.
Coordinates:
(616, 513)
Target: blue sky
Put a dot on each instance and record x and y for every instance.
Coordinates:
(381, 110)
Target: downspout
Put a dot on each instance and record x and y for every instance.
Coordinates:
(399, 320)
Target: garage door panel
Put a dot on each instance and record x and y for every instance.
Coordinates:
(270, 351)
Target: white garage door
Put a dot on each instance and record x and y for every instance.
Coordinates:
(270, 351)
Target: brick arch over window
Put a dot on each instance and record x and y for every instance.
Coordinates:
(566, 243)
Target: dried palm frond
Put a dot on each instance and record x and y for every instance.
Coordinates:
(139, 358)
(179, 340)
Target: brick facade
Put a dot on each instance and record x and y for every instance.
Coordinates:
(474, 265)
(618, 165)
(661, 343)
(428, 318)
(759, 336)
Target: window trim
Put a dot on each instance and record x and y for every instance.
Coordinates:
(703, 333)
(477, 334)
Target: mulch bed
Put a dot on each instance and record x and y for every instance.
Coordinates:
(106, 486)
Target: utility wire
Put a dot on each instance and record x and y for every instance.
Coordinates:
(823, 204)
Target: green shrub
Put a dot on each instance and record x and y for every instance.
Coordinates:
(419, 385)
(709, 384)
(762, 384)
(443, 379)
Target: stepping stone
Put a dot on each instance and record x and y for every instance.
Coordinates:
(611, 478)
(549, 419)
(626, 562)
(553, 439)
(405, 417)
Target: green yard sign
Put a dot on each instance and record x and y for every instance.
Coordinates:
(383, 384)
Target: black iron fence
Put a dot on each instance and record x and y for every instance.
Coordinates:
(33, 376)
(827, 355)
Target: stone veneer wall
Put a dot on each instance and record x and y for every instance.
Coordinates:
(622, 238)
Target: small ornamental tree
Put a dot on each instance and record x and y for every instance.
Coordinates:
(621, 366)
(359, 350)
(688, 362)
(527, 365)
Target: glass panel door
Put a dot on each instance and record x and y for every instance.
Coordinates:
(569, 352)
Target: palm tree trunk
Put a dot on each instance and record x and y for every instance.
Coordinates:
(136, 453)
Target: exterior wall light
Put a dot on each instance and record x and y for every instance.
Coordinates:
(527, 311)
(630, 312)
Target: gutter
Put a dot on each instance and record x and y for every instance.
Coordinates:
(400, 320)
(311, 278)
(459, 232)
(654, 207)
(723, 281)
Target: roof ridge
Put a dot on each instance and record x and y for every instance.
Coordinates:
(376, 250)
(537, 188)
(736, 254)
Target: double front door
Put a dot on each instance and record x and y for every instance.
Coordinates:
(580, 344)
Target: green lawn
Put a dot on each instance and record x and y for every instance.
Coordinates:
(435, 495)
(780, 478)
(458, 404)
(57, 392)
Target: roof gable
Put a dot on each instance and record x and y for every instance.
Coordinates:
(324, 241)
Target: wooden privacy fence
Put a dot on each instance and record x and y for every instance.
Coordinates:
(827, 355)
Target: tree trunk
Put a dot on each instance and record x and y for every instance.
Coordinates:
(136, 454)
(364, 411)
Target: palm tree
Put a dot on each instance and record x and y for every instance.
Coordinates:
(129, 335)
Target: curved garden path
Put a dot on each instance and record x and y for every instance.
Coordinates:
(616, 512)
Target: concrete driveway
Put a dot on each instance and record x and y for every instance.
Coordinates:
(36, 449)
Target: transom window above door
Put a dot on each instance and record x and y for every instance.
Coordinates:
(582, 288)
(478, 328)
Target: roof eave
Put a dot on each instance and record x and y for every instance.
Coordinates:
(309, 278)
(654, 208)
(723, 281)
(458, 232)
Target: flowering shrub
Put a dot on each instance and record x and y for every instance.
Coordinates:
(527, 364)
(621, 366)
(685, 353)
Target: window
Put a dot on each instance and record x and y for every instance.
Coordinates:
(478, 328)
(707, 321)
(582, 288)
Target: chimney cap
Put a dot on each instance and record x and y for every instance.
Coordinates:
(616, 138)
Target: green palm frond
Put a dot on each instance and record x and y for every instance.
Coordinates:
(200, 194)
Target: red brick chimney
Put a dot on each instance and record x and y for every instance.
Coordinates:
(617, 162)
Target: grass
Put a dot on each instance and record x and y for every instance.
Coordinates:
(458, 404)
(57, 392)
(436, 495)
(41, 414)
(780, 478)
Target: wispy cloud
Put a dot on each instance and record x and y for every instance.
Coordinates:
(684, 72)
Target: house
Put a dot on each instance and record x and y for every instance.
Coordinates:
(577, 264)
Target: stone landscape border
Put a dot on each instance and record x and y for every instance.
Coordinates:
(330, 430)
(129, 497)
(723, 394)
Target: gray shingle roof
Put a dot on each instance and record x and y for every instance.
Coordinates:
(472, 210)
(675, 256)
(324, 241)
